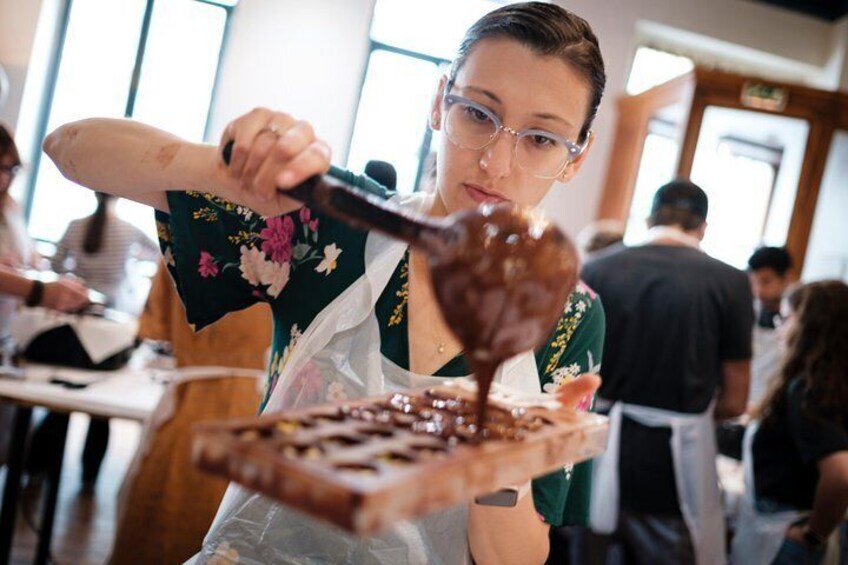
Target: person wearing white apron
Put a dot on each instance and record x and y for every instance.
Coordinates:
(677, 353)
(768, 270)
(515, 111)
(796, 450)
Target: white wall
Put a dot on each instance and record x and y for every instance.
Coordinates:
(18, 19)
(308, 57)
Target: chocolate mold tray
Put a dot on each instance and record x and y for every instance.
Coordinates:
(367, 464)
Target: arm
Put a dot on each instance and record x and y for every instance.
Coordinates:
(831, 500)
(518, 535)
(141, 163)
(733, 396)
(65, 294)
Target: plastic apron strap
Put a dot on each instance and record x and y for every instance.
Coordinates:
(603, 512)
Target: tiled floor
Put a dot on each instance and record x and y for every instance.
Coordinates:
(85, 522)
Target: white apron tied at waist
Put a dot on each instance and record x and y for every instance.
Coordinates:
(693, 452)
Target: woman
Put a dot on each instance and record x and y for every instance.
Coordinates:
(361, 297)
(97, 249)
(796, 459)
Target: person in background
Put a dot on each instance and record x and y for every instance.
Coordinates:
(599, 235)
(796, 448)
(676, 356)
(98, 249)
(768, 270)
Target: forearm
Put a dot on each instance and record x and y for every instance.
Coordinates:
(132, 160)
(500, 535)
(831, 500)
(14, 284)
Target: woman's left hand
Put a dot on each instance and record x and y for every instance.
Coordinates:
(572, 393)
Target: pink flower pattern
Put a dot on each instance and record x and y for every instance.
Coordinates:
(277, 238)
(207, 267)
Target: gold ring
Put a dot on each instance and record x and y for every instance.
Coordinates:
(273, 129)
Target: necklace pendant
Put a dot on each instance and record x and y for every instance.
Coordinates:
(441, 348)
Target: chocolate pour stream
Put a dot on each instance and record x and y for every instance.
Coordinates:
(501, 274)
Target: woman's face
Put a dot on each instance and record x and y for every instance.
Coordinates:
(525, 91)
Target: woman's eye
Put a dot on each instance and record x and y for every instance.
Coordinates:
(476, 114)
(543, 141)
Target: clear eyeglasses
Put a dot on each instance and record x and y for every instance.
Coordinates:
(473, 126)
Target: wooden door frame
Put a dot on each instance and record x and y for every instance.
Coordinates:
(824, 111)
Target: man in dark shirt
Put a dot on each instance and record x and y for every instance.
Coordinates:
(677, 354)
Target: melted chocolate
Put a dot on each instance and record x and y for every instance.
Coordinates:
(501, 276)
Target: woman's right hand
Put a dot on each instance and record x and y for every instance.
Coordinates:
(271, 151)
(65, 295)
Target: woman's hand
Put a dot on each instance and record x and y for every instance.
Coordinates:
(271, 151)
(65, 295)
(572, 393)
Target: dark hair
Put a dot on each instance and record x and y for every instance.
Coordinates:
(816, 354)
(775, 258)
(7, 145)
(673, 216)
(93, 241)
(547, 29)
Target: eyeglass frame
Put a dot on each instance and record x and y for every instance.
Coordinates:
(574, 149)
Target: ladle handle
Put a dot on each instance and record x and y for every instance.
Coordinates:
(358, 208)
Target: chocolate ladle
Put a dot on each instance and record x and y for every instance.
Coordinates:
(501, 274)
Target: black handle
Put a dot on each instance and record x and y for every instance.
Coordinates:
(359, 209)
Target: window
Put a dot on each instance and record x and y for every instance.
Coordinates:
(155, 60)
(411, 47)
(652, 67)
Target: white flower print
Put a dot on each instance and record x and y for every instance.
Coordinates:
(561, 376)
(581, 306)
(328, 263)
(168, 256)
(256, 269)
(244, 212)
(252, 261)
(276, 275)
(591, 367)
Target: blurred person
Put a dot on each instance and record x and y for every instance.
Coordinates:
(768, 270)
(676, 356)
(796, 448)
(599, 235)
(98, 249)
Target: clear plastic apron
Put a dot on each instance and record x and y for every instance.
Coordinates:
(338, 357)
(693, 453)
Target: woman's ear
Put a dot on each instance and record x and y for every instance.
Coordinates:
(436, 106)
(574, 165)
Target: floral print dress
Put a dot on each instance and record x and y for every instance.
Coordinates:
(224, 258)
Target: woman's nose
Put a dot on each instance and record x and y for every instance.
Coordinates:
(496, 158)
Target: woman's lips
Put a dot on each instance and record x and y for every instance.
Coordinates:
(481, 195)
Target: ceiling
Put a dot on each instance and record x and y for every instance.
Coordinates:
(829, 10)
